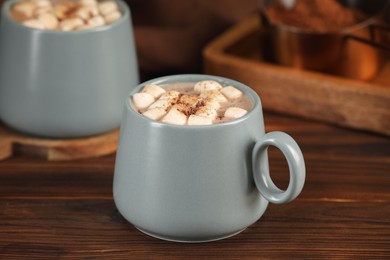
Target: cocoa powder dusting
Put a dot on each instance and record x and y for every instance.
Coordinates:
(314, 15)
(189, 104)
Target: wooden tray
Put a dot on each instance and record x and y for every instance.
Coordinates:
(56, 149)
(236, 54)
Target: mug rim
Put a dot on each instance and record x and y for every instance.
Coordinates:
(125, 10)
(181, 78)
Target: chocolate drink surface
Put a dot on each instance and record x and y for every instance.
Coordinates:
(202, 103)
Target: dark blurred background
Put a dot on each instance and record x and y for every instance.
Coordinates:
(170, 34)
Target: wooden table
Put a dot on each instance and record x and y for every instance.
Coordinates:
(58, 210)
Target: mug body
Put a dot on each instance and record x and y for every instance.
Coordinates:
(188, 183)
(65, 84)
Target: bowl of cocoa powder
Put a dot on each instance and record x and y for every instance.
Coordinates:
(332, 36)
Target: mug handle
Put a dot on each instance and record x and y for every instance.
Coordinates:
(296, 165)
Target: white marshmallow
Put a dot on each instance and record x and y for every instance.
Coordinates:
(33, 23)
(94, 14)
(96, 21)
(206, 85)
(175, 116)
(93, 10)
(161, 103)
(234, 112)
(82, 13)
(88, 2)
(199, 120)
(154, 90)
(171, 95)
(107, 7)
(42, 3)
(61, 10)
(207, 111)
(87, 12)
(211, 103)
(60, 14)
(71, 24)
(26, 9)
(43, 10)
(142, 100)
(166, 100)
(48, 20)
(155, 113)
(112, 17)
(188, 101)
(215, 95)
(231, 92)
(212, 99)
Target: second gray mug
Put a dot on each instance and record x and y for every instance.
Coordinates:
(65, 84)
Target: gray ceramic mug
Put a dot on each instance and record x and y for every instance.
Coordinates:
(65, 84)
(199, 183)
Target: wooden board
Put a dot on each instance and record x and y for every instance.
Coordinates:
(56, 149)
(236, 54)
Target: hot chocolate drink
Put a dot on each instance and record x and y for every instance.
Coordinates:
(203, 103)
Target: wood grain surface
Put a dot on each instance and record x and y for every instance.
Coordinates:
(237, 54)
(64, 209)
